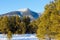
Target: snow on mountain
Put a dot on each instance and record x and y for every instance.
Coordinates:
(23, 12)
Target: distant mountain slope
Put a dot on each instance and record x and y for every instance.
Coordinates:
(23, 12)
(28, 12)
(13, 13)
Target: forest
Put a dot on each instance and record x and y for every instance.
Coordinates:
(16, 25)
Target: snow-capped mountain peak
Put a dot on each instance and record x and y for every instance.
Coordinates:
(24, 9)
(23, 12)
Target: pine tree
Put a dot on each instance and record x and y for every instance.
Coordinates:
(50, 21)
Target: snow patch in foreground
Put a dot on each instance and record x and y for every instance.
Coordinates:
(19, 37)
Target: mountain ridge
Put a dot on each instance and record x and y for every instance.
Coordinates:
(23, 12)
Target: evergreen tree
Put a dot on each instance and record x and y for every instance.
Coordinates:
(50, 21)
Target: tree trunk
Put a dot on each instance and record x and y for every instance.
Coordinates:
(49, 38)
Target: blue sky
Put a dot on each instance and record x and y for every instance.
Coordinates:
(13, 5)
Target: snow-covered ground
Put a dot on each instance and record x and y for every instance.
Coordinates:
(20, 37)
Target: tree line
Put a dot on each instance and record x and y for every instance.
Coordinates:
(16, 25)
